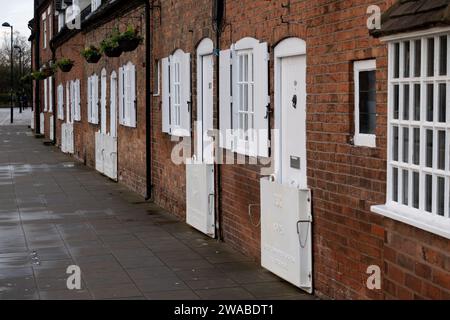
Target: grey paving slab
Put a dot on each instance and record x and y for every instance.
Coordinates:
(56, 213)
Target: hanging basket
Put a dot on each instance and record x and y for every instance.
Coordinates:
(113, 52)
(94, 58)
(128, 45)
(66, 67)
(47, 72)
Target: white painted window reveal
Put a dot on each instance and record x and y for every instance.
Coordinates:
(60, 96)
(365, 103)
(92, 98)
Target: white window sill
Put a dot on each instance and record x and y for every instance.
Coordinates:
(365, 140)
(431, 223)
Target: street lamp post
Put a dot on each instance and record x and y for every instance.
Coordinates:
(20, 75)
(7, 25)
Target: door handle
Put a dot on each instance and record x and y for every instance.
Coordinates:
(294, 101)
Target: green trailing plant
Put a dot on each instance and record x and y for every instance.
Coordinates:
(110, 45)
(130, 39)
(27, 78)
(65, 64)
(38, 75)
(91, 54)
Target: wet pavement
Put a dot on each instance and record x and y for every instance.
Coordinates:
(55, 213)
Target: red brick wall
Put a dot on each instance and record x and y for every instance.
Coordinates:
(45, 56)
(177, 25)
(131, 141)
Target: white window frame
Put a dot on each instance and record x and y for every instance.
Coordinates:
(46, 95)
(44, 33)
(50, 94)
(361, 139)
(245, 108)
(50, 22)
(157, 79)
(61, 20)
(60, 97)
(395, 207)
(95, 4)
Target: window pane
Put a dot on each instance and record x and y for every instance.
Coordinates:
(406, 145)
(429, 161)
(416, 154)
(395, 185)
(443, 56)
(428, 193)
(405, 187)
(442, 102)
(396, 101)
(430, 102)
(430, 64)
(441, 196)
(417, 102)
(416, 186)
(396, 60)
(406, 58)
(406, 102)
(367, 102)
(418, 58)
(395, 144)
(441, 150)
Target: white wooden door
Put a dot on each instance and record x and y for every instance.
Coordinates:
(205, 115)
(200, 172)
(293, 122)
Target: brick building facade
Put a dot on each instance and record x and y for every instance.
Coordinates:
(347, 172)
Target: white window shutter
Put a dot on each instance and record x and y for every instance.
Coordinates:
(262, 98)
(95, 102)
(225, 99)
(133, 102)
(68, 102)
(50, 95)
(234, 99)
(89, 99)
(77, 105)
(121, 95)
(165, 108)
(45, 95)
(185, 114)
(62, 102)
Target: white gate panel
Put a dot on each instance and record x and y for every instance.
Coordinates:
(42, 120)
(52, 127)
(286, 233)
(200, 198)
(67, 138)
(99, 152)
(32, 120)
(110, 157)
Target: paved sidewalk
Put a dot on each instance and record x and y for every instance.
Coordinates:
(23, 118)
(55, 213)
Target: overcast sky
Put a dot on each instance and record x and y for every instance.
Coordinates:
(17, 13)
